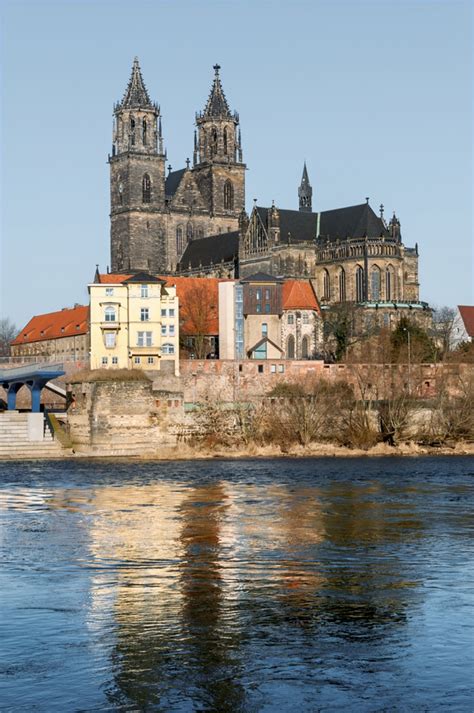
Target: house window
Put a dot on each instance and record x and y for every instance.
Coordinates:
(258, 307)
(281, 368)
(144, 291)
(260, 368)
(105, 361)
(110, 314)
(163, 329)
(144, 339)
(258, 293)
(305, 318)
(171, 330)
(163, 313)
(114, 360)
(290, 347)
(260, 352)
(167, 349)
(264, 329)
(110, 340)
(273, 368)
(360, 291)
(109, 291)
(171, 312)
(137, 360)
(144, 314)
(267, 294)
(291, 319)
(146, 189)
(150, 360)
(267, 308)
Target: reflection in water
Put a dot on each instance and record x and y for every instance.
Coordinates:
(237, 587)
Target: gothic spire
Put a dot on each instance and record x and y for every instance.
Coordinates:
(217, 106)
(136, 94)
(305, 192)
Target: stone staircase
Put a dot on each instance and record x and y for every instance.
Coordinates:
(15, 441)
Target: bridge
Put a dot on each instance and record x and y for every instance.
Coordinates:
(36, 377)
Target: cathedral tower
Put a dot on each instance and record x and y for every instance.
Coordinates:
(218, 165)
(305, 192)
(137, 181)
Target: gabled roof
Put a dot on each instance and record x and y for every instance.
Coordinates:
(261, 277)
(299, 294)
(53, 325)
(299, 225)
(172, 182)
(217, 106)
(262, 341)
(136, 94)
(212, 249)
(142, 277)
(467, 316)
(112, 278)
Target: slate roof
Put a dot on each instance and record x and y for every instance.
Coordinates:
(136, 94)
(261, 277)
(53, 325)
(142, 277)
(299, 294)
(467, 316)
(215, 248)
(172, 182)
(217, 106)
(355, 221)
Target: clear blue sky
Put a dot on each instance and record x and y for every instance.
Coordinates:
(376, 96)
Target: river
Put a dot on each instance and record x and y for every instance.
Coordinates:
(321, 584)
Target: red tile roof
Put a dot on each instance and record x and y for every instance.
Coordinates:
(112, 278)
(54, 325)
(299, 294)
(467, 315)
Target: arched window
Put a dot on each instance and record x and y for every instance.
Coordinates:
(342, 285)
(290, 347)
(326, 286)
(109, 314)
(213, 142)
(375, 283)
(305, 348)
(360, 291)
(189, 232)
(228, 196)
(132, 131)
(389, 283)
(146, 189)
(225, 141)
(179, 241)
(144, 128)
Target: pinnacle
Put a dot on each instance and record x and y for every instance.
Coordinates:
(136, 94)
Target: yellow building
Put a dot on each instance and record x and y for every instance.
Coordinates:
(134, 323)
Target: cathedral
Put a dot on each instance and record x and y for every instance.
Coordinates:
(193, 221)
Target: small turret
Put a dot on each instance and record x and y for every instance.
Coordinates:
(394, 228)
(305, 192)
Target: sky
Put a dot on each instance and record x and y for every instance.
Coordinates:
(375, 96)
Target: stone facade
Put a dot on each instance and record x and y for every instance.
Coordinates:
(153, 216)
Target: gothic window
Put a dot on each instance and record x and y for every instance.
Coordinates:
(132, 131)
(189, 232)
(225, 141)
(326, 286)
(144, 128)
(304, 348)
(360, 292)
(342, 285)
(389, 283)
(228, 196)
(375, 283)
(179, 241)
(290, 347)
(146, 189)
(213, 142)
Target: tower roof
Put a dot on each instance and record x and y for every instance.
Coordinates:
(136, 94)
(217, 105)
(305, 177)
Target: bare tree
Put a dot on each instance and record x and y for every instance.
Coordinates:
(197, 312)
(8, 332)
(446, 327)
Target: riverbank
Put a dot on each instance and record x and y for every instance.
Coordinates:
(313, 450)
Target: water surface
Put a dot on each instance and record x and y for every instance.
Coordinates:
(270, 585)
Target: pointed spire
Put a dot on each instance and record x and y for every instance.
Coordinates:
(136, 94)
(305, 192)
(217, 103)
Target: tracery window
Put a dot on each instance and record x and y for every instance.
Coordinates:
(132, 131)
(360, 291)
(389, 283)
(290, 347)
(225, 141)
(342, 285)
(304, 348)
(326, 286)
(375, 283)
(146, 189)
(144, 130)
(189, 232)
(213, 142)
(228, 196)
(179, 240)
